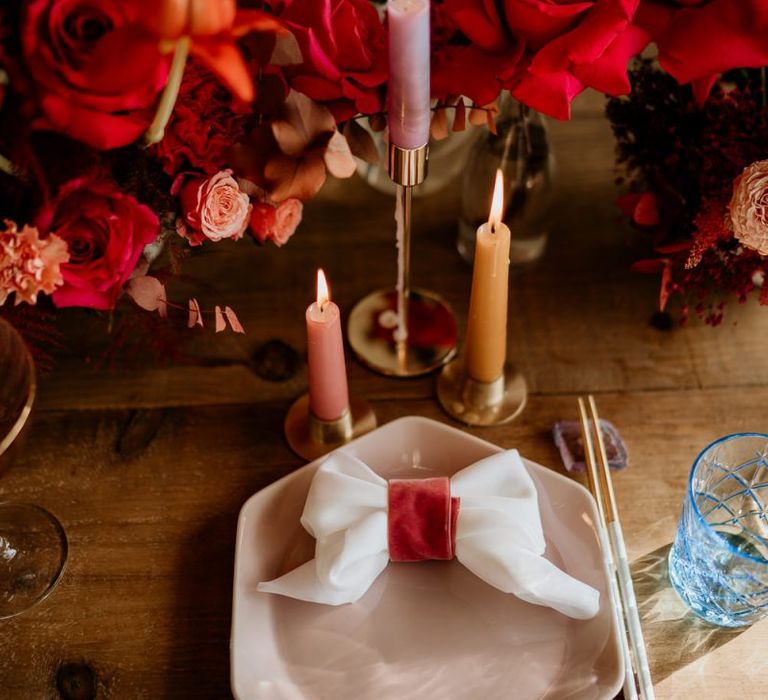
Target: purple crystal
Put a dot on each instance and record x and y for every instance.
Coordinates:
(567, 435)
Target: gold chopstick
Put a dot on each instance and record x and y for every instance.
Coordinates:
(593, 479)
(616, 537)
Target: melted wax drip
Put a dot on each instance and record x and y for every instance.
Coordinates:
(401, 333)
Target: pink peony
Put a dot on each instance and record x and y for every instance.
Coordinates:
(749, 207)
(212, 208)
(29, 265)
(276, 223)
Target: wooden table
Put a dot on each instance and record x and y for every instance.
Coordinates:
(148, 466)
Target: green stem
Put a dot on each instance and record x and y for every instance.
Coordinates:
(156, 129)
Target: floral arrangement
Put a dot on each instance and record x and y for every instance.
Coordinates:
(128, 128)
(699, 176)
(691, 136)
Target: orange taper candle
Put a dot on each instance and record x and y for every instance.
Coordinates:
(486, 348)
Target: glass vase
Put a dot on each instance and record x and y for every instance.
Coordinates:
(520, 149)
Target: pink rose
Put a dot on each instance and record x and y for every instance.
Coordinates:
(105, 230)
(276, 223)
(212, 208)
(748, 209)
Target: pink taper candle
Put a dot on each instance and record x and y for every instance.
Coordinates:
(408, 104)
(328, 393)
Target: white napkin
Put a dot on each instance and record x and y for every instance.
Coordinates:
(498, 536)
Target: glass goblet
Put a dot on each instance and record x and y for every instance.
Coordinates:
(33, 546)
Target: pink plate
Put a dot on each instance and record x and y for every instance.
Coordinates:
(427, 630)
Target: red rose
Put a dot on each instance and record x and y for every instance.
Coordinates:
(344, 50)
(105, 231)
(470, 68)
(95, 71)
(569, 46)
(698, 42)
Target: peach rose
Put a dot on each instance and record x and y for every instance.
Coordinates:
(276, 223)
(212, 208)
(749, 207)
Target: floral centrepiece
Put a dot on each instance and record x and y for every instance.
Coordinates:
(230, 114)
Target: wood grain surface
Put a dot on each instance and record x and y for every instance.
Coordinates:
(147, 466)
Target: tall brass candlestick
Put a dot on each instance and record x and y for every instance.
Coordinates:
(405, 332)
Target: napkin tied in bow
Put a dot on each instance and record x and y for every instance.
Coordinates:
(486, 515)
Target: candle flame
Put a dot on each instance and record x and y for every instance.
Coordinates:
(497, 203)
(323, 293)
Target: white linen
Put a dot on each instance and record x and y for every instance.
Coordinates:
(498, 536)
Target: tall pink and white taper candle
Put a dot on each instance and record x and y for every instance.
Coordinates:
(408, 102)
(328, 393)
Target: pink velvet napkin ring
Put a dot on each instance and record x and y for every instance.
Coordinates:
(421, 519)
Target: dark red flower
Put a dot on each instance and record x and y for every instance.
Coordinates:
(206, 122)
(105, 230)
(343, 45)
(93, 69)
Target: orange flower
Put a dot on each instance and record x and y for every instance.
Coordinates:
(214, 26)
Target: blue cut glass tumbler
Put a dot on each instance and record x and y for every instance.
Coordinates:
(719, 561)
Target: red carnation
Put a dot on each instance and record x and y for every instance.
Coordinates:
(206, 122)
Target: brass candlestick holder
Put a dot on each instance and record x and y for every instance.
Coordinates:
(310, 438)
(478, 403)
(403, 332)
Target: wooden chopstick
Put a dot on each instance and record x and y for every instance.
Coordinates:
(593, 479)
(616, 537)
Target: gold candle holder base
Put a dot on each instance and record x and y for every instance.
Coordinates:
(310, 437)
(431, 339)
(477, 403)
